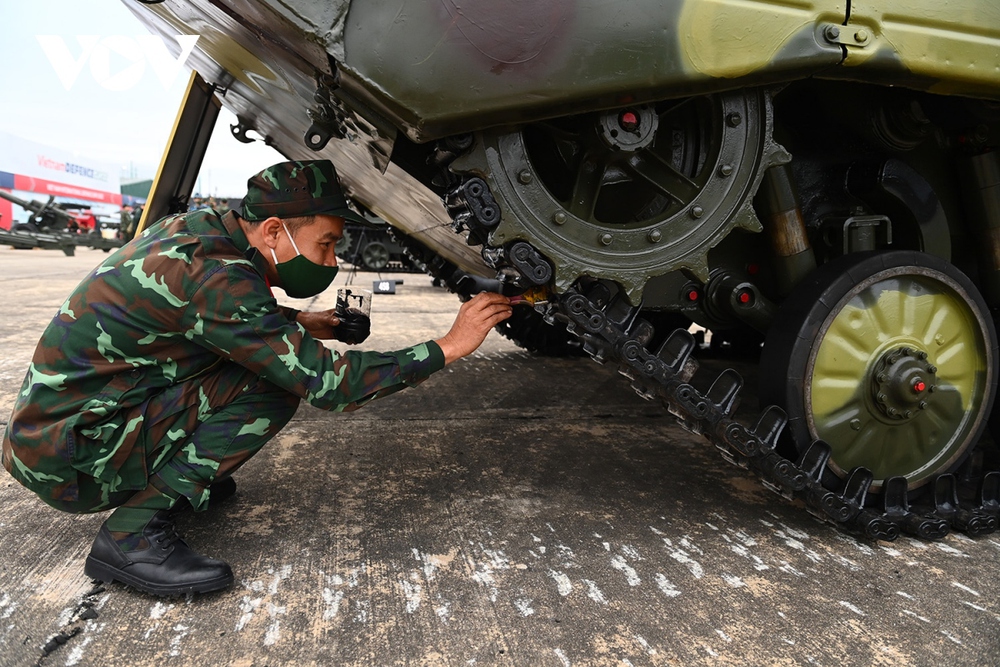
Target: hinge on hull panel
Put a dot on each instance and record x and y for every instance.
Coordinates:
(851, 36)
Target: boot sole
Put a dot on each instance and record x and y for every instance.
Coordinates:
(101, 571)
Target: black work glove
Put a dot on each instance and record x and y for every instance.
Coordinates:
(354, 325)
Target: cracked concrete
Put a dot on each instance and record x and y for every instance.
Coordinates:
(512, 510)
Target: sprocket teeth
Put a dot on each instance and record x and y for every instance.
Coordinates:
(697, 266)
(748, 220)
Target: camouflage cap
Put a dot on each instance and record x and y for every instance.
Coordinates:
(292, 189)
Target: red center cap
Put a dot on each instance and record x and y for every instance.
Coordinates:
(628, 120)
(919, 386)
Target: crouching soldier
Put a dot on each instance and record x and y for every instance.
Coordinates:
(172, 364)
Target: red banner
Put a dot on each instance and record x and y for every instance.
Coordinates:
(41, 186)
(6, 213)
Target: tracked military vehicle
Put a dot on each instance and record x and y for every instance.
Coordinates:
(373, 248)
(821, 176)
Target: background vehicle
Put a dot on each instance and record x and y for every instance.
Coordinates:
(373, 248)
(822, 176)
(59, 226)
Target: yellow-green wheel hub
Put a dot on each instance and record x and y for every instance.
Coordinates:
(899, 375)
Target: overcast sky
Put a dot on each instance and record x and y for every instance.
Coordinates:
(121, 99)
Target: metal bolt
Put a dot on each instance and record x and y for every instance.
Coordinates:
(832, 33)
(861, 36)
(908, 414)
(891, 411)
(559, 218)
(697, 212)
(921, 355)
(606, 239)
(881, 398)
(726, 170)
(922, 405)
(734, 119)
(932, 388)
(931, 368)
(628, 121)
(524, 176)
(882, 377)
(856, 424)
(654, 235)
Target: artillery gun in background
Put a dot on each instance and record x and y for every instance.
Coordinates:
(822, 176)
(57, 226)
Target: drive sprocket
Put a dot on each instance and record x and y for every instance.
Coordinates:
(630, 193)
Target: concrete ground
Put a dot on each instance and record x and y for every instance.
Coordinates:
(512, 510)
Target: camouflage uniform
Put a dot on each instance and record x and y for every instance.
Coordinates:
(169, 366)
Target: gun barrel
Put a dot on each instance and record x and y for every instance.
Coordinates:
(39, 210)
(26, 205)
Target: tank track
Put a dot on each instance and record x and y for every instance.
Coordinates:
(526, 327)
(611, 329)
(666, 375)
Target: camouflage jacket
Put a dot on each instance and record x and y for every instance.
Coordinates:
(160, 310)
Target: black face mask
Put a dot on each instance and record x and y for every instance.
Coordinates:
(301, 277)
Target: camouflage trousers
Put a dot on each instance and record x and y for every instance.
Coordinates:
(198, 431)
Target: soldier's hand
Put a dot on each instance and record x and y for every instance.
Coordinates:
(475, 319)
(354, 326)
(320, 324)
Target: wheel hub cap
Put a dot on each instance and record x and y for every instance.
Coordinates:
(903, 383)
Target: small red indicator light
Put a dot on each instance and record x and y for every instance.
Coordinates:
(919, 386)
(744, 297)
(693, 295)
(752, 269)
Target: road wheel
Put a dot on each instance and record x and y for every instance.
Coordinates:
(375, 256)
(890, 358)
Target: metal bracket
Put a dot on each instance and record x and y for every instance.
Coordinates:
(327, 120)
(858, 233)
(240, 129)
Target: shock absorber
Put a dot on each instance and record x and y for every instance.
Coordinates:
(786, 229)
(983, 196)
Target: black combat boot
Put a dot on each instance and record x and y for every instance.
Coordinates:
(163, 565)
